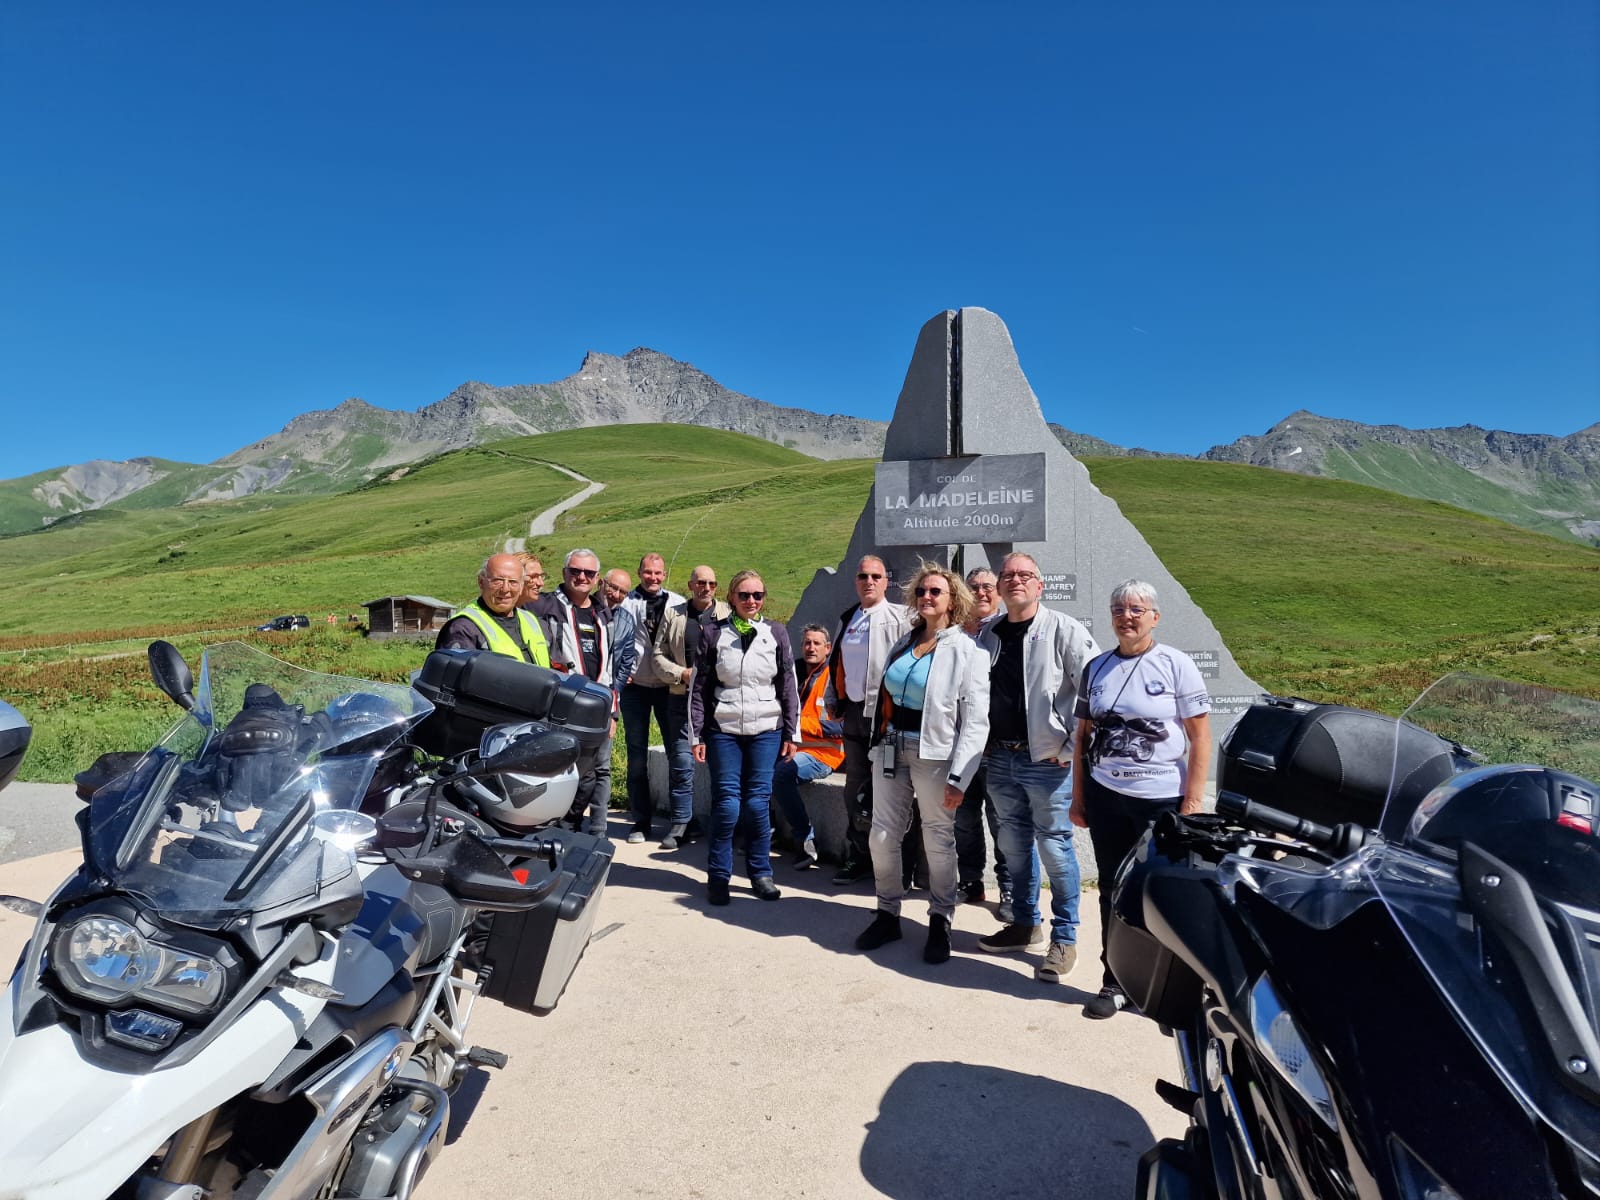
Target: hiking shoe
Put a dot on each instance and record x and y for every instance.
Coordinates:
(853, 872)
(937, 949)
(764, 888)
(806, 857)
(1011, 939)
(1108, 1003)
(1058, 963)
(971, 892)
(716, 891)
(1005, 912)
(885, 928)
(635, 837)
(674, 835)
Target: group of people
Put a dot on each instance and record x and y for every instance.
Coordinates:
(972, 705)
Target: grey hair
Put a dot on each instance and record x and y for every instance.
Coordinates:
(583, 553)
(814, 628)
(1136, 589)
(976, 571)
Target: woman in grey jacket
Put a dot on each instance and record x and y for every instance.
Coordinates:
(933, 721)
(745, 713)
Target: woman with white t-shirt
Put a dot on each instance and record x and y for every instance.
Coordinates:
(1142, 747)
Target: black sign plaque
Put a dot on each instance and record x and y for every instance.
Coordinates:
(988, 498)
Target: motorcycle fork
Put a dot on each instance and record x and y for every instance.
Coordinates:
(180, 1165)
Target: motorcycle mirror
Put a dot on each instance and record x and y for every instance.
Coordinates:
(547, 752)
(171, 674)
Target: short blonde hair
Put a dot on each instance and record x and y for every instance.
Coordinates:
(961, 601)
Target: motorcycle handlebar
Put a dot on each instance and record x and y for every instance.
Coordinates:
(1338, 840)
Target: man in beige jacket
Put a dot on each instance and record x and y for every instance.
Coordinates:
(670, 659)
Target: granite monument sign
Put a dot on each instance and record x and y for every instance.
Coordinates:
(970, 472)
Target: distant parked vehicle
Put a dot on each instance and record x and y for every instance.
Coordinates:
(282, 624)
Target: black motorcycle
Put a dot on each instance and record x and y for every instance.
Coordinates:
(1380, 958)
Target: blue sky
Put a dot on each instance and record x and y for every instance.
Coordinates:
(1194, 218)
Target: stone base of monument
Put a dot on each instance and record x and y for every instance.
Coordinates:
(824, 801)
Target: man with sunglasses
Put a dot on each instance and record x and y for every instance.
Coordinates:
(578, 631)
(867, 632)
(671, 658)
(1037, 657)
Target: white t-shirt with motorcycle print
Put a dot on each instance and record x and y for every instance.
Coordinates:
(1138, 705)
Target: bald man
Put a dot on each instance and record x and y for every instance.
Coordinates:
(493, 621)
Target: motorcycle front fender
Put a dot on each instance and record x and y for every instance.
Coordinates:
(73, 1130)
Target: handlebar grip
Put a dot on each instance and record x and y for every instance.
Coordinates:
(1272, 820)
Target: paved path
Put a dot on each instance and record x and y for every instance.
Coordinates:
(749, 1051)
(545, 523)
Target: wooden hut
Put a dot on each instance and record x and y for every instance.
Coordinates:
(406, 616)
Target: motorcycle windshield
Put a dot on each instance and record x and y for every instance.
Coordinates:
(219, 819)
(1495, 882)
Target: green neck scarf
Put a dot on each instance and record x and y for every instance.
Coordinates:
(742, 627)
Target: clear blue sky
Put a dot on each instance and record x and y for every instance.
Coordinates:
(1195, 218)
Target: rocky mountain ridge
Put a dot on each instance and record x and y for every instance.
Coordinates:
(1543, 481)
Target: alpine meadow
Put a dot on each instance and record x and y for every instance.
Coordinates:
(1328, 590)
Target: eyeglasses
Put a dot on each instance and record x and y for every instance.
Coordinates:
(711, 583)
(1017, 576)
(751, 595)
(981, 587)
(539, 575)
(867, 575)
(497, 581)
(583, 572)
(1118, 610)
(920, 592)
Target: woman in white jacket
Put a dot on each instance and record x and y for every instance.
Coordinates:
(932, 723)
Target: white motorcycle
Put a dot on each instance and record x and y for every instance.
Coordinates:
(258, 984)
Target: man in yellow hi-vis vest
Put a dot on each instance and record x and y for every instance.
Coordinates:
(493, 621)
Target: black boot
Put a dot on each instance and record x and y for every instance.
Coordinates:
(716, 891)
(764, 888)
(885, 928)
(938, 948)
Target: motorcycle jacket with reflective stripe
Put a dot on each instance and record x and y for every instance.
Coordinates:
(502, 642)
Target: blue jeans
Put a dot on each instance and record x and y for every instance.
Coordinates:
(741, 780)
(680, 759)
(639, 704)
(1032, 799)
(787, 777)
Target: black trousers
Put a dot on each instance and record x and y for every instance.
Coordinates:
(1116, 823)
(977, 810)
(858, 767)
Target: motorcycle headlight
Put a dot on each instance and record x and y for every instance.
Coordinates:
(1285, 1047)
(108, 961)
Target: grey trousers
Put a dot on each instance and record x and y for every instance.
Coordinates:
(919, 782)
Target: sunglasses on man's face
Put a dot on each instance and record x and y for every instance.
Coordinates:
(702, 583)
(751, 595)
(583, 572)
(863, 575)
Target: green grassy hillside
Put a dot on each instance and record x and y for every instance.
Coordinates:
(1433, 476)
(1326, 589)
(1343, 592)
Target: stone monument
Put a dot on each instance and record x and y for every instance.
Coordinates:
(971, 472)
